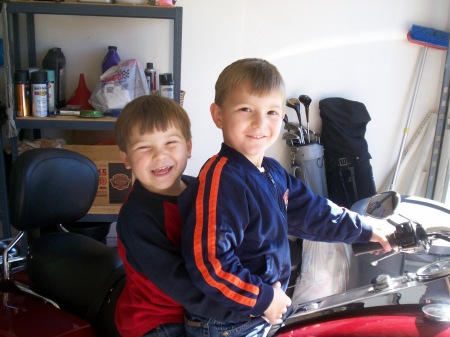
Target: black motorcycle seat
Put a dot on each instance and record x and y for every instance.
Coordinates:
(75, 271)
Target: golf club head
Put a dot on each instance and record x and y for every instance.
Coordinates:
(292, 142)
(305, 100)
(291, 126)
(290, 135)
(313, 133)
(294, 103)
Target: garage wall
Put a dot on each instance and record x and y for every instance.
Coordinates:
(356, 49)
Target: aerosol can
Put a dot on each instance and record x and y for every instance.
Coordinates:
(166, 85)
(39, 93)
(150, 75)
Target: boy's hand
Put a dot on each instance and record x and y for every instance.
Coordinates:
(379, 233)
(279, 305)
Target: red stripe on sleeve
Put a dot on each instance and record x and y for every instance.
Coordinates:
(211, 243)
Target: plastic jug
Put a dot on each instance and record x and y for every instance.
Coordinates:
(56, 61)
(111, 58)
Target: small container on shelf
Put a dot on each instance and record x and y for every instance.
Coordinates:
(169, 3)
(56, 61)
(111, 58)
(39, 93)
(166, 85)
(150, 75)
(22, 92)
(51, 91)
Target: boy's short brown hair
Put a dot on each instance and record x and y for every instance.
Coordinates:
(260, 76)
(148, 113)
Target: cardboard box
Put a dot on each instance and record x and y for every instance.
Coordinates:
(115, 180)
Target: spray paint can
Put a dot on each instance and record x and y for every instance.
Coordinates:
(150, 75)
(22, 93)
(39, 93)
(51, 91)
(166, 85)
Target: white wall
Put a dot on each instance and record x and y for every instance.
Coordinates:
(356, 49)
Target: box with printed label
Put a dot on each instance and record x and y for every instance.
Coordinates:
(114, 180)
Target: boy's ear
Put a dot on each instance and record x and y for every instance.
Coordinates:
(216, 114)
(125, 160)
(189, 148)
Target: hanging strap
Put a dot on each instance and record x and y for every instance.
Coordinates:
(345, 166)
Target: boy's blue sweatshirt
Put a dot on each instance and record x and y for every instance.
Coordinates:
(236, 225)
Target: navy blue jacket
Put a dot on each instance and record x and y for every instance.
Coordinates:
(158, 285)
(236, 225)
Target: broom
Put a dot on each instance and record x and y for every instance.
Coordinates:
(427, 38)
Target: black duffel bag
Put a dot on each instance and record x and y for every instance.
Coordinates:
(347, 158)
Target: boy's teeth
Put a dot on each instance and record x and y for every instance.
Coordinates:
(162, 170)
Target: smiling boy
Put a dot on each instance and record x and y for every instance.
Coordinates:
(154, 139)
(240, 210)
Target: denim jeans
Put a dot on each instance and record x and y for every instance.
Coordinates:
(167, 330)
(197, 326)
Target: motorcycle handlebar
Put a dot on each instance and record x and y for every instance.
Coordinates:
(365, 248)
(371, 247)
(409, 236)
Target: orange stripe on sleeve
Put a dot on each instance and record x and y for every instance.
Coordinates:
(211, 244)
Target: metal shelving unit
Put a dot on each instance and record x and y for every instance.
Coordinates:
(66, 123)
(31, 8)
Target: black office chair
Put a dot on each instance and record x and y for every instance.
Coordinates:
(49, 187)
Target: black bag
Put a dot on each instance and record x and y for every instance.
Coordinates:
(347, 158)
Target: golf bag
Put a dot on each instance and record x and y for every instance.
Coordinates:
(323, 267)
(349, 174)
(309, 167)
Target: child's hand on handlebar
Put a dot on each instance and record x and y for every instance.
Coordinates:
(380, 229)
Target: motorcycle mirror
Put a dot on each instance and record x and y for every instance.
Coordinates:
(383, 205)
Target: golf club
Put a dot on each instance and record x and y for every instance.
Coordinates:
(294, 103)
(316, 136)
(290, 135)
(292, 143)
(306, 101)
(289, 126)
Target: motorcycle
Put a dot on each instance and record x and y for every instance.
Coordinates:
(66, 284)
(412, 303)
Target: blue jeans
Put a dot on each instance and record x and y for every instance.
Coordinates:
(167, 330)
(197, 326)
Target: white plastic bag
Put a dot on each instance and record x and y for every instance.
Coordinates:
(324, 270)
(119, 85)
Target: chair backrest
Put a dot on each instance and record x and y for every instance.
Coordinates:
(51, 186)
